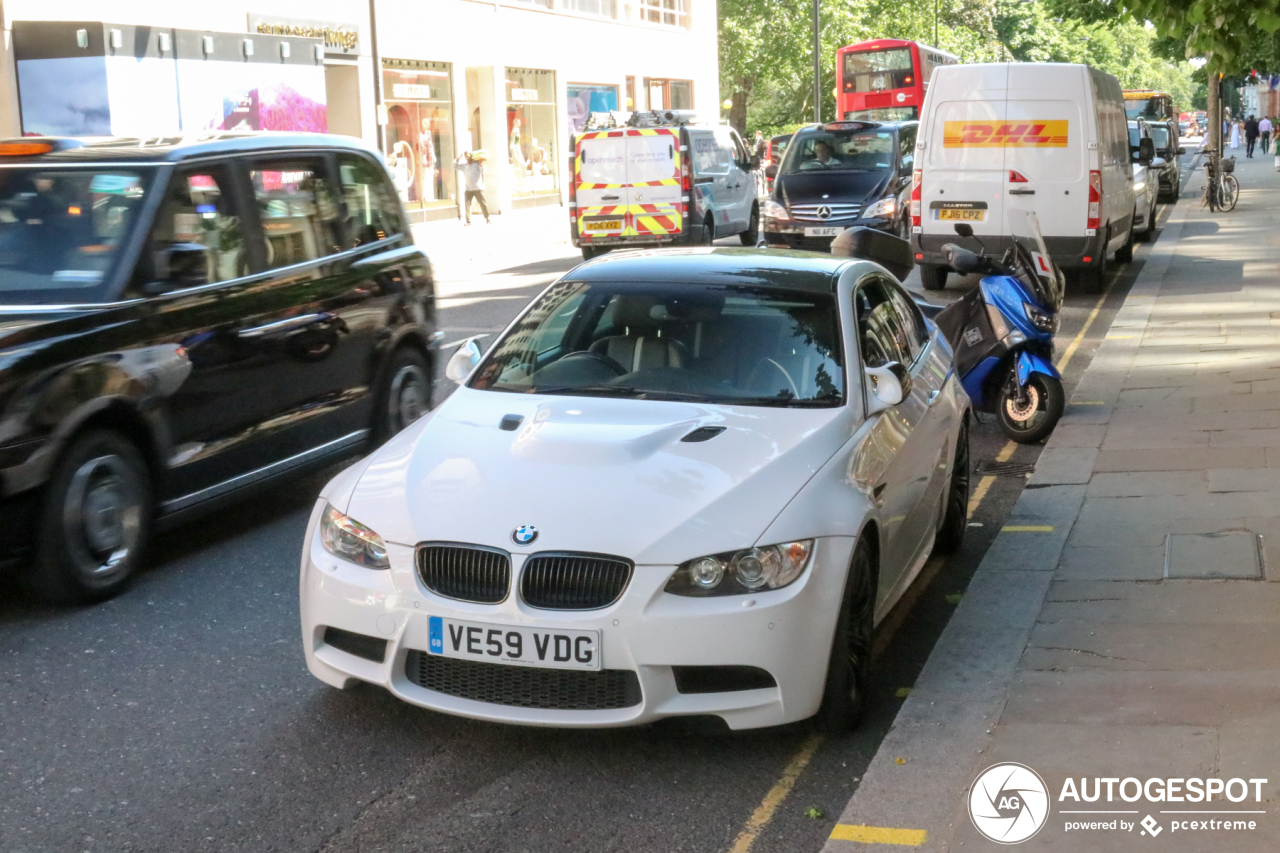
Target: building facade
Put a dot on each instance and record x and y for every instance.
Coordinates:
(425, 80)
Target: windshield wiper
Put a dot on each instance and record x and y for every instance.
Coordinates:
(625, 391)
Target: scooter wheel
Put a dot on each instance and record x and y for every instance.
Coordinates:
(1033, 419)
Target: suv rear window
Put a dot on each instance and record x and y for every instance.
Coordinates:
(61, 230)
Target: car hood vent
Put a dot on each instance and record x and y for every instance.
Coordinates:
(511, 423)
(703, 434)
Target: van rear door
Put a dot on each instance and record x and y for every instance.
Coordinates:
(600, 172)
(653, 178)
(1045, 151)
(964, 176)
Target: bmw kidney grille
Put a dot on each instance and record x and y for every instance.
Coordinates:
(465, 572)
(566, 581)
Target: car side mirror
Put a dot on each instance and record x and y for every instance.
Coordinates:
(462, 362)
(178, 266)
(961, 259)
(964, 229)
(1181, 150)
(889, 384)
(1146, 150)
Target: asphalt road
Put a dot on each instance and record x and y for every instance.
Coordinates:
(181, 717)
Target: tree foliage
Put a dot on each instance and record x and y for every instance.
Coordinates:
(766, 60)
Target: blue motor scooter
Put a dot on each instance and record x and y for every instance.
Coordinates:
(1002, 332)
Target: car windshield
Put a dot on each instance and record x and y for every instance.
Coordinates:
(1160, 135)
(726, 344)
(61, 230)
(859, 147)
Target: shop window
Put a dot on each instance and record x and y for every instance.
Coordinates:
(419, 134)
(372, 212)
(588, 98)
(631, 93)
(298, 211)
(607, 8)
(195, 212)
(673, 13)
(531, 132)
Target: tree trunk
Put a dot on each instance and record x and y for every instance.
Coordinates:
(738, 112)
(1214, 111)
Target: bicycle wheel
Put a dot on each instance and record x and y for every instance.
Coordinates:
(1230, 192)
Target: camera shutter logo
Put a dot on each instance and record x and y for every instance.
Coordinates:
(1008, 803)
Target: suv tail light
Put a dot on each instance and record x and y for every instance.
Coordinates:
(1095, 202)
(915, 198)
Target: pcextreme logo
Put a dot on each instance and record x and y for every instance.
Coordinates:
(1008, 803)
(1005, 134)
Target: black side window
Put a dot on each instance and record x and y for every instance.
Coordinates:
(887, 332)
(907, 147)
(298, 209)
(912, 321)
(196, 237)
(372, 211)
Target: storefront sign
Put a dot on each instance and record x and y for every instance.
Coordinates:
(412, 92)
(339, 39)
(524, 94)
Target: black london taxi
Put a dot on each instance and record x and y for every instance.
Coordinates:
(184, 319)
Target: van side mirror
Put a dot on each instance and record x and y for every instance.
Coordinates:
(462, 362)
(889, 385)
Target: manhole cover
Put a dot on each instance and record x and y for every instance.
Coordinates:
(1005, 468)
(1234, 554)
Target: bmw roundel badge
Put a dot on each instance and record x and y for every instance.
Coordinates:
(524, 534)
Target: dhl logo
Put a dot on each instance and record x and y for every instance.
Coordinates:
(1005, 134)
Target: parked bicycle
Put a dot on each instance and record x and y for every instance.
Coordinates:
(1222, 190)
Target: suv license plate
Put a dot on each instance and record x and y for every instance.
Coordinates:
(829, 231)
(552, 648)
(605, 225)
(976, 215)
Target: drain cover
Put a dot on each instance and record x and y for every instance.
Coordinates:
(1005, 468)
(1230, 554)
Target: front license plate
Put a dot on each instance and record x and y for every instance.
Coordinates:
(554, 648)
(829, 231)
(963, 215)
(605, 225)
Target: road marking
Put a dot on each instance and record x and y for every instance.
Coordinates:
(1119, 337)
(764, 812)
(879, 835)
(984, 485)
(1088, 402)
(1075, 344)
(1027, 528)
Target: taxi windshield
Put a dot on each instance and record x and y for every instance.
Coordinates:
(857, 148)
(61, 230)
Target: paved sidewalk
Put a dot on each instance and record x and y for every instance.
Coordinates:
(1126, 622)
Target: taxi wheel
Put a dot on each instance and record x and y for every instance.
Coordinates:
(955, 518)
(94, 522)
(405, 395)
(849, 667)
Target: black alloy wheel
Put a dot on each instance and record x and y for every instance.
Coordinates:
(406, 393)
(955, 516)
(1031, 417)
(848, 683)
(95, 520)
(752, 235)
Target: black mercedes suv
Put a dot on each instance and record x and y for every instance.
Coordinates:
(184, 319)
(838, 175)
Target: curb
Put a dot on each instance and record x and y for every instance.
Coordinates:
(945, 725)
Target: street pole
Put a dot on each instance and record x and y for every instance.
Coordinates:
(1214, 109)
(817, 67)
(377, 75)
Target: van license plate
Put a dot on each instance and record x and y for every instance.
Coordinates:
(551, 648)
(605, 225)
(829, 231)
(964, 215)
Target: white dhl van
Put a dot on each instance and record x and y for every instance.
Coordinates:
(658, 180)
(1046, 137)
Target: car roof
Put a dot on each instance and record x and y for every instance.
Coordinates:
(173, 149)
(796, 270)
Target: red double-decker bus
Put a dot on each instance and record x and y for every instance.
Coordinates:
(885, 79)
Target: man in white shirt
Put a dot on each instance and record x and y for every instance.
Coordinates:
(1264, 132)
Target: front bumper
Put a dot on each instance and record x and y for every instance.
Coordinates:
(790, 235)
(786, 632)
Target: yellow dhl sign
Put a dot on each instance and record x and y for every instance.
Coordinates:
(1005, 134)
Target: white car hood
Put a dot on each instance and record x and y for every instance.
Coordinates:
(595, 474)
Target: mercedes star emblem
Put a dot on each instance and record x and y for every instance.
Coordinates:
(824, 212)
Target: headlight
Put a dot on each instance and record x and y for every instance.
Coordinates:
(1139, 186)
(343, 536)
(1042, 321)
(884, 207)
(773, 210)
(742, 572)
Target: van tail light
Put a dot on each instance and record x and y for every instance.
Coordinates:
(1095, 201)
(915, 198)
(686, 189)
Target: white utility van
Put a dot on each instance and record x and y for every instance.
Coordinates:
(1047, 137)
(656, 179)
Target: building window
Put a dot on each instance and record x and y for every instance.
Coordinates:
(531, 132)
(631, 94)
(605, 8)
(673, 13)
(669, 94)
(419, 135)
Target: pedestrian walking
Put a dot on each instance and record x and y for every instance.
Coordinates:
(1264, 133)
(471, 165)
(1235, 134)
(1250, 135)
